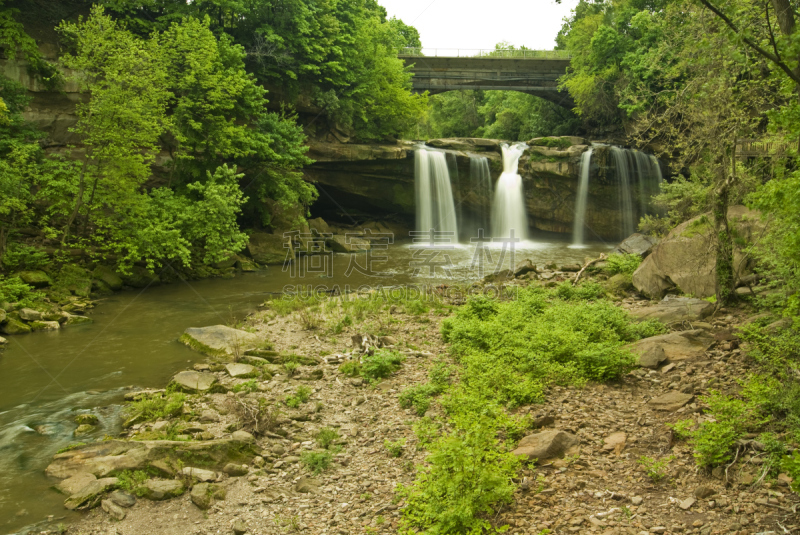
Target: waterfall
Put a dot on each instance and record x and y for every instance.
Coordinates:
(508, 210)
(481, 183)
(434, 194)
(632, 169)
(583, 196)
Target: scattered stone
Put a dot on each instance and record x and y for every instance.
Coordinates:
(209, 416)
(687, 503)
(307, 484)
(45, 325)
(199, 474)
(637, 500)
(89, 496)
(241, 370)
(652, 357)
(14, 326)
(674, 309)
(235, 470)
(75, 319)
(29, 314)
(239, 527)
(192, 381)
(572, 268)
(543, 421)
(703, 492)
(242, 436)
(546, 445)
(524, 267)
(114, 511)
(3, 341)
(122, 498)
(785, 479)
(670, 401)
(162, 489)
(615, 442)
(75, 483)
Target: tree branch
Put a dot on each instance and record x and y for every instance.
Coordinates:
(752, 44)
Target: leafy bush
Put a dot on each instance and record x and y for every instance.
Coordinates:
(247, 386)
(13, 290)
(656, 470)
(158, 406)
(380, 365)
(682, 429)
(20, 257)
(466, 477)
(395, 449)
(419, 396)
(316, 461)
(301, 395)
(133, 481)
(622, 263)
(326, 437)
(791, 465)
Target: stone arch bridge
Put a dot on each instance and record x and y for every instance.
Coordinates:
(534, 72)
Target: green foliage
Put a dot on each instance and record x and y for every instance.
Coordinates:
(622, 263)
(419, 396)
(157, 406)
(247, 386)
(326, 437)
(13, 290)
(133, 481)
(791, 465)
(656, 469)
(380, 365)
(316, 461)
(682, 429)
(71, 447)
(511, 351)
(466, 477)
(396, 448)
(301, 395)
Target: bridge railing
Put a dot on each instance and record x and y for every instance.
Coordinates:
(484, 53)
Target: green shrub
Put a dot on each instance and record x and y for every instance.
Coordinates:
(158, 406)
(132, 481)
(351, 368)
(395, 449)
(247, 386)
(419, 397)
(326, 437)
(656, 470)
(791, 465)
(380, 365)
(466, 478)
(622, 263)
(682, 429)
(301, 395)
(316, 461)
(13, 290)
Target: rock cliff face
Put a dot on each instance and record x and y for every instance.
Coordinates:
(379, 180)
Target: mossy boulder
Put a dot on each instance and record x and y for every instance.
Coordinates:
(140, 277)
(45, 325)
(88, 419)
(2, 315)
(620, 284)
(267, 248)
(14, 326)
(90, 495)
(162, 489)
(37, 279)
(83, 429)
(75, 319)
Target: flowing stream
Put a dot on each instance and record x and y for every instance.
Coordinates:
(49, 377)
(508, 211)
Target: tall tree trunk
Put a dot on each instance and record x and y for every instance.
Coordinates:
(726, 278)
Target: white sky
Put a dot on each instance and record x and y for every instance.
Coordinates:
(474, 24)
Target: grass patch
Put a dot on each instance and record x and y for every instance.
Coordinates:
(157, 406)
(316, 461)
(300, 396)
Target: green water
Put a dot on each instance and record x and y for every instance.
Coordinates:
(48, 378)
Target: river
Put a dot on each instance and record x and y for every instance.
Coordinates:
(48, 378)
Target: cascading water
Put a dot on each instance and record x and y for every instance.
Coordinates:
(583, 196)
(481, 183)
(434, 194)
(632, 169)
(508, 210)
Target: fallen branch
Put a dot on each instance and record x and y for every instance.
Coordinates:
(603, 256)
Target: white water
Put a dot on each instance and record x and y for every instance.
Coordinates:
(579, 225)
(481, 182)
(622, 162)
(434, 194)
(508, 210)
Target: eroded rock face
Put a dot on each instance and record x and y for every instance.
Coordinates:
(686, 258)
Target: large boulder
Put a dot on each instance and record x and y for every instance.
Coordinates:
(108, 276)
(219, 340)
(686, 258)
(37, 279)
(347, 244)
(90, 495)
(140, 277)
(674, 309)
(162, 489)
(546, 445)
(14, 326)
(241, 370)
(679, 345)
(267, 248)
(639, 244)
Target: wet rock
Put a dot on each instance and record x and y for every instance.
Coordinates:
(524, 267)
(638, 244)
(162, 489)
(140, 277)
(122, 498)
(114, 511)
(499, 277)
(670, 401)
(235, 470)
(108, 276)
(307, 484)
(546, 445)
(242, 436)
(2, 315)
(673, 309)
(468, 144)
(241, 370)
(45, 325)
(652, 357)
(3, 342)
(543, 421)
(14, 326)
(347, 244)
(219, 340)
(90, 495)
(75, 319)
(199, 474)
(84, 429)
(29, 314)
(267, 248)
(679, 345)
(193, 382)
(75, 483)
(37, 279)
(619, 284)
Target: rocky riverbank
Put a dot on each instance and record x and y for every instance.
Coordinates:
(286, 439)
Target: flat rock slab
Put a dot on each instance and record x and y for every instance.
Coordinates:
(679, 345)
(219, 340)
(546, 445)
(90, 495)
(74, 484)
(193, 381)
(636, 243)
(670, 401)
(673, 309)
(240, 370)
